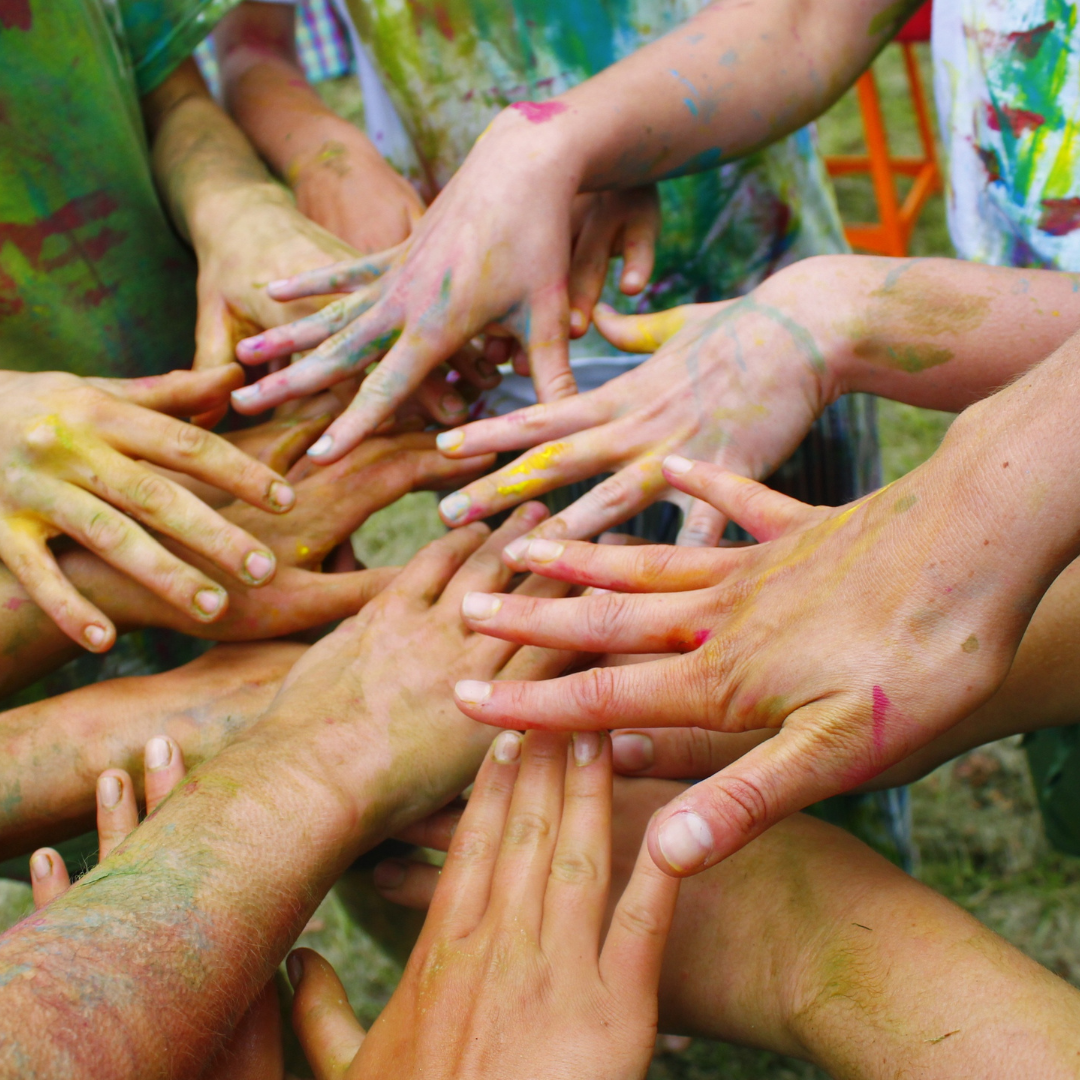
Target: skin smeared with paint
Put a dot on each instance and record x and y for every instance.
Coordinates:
(740, 383)
(825, 940)
(537, 112)
(830, 604)
(361, 740)
(330, 505)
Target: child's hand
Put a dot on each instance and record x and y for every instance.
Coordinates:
(75, 455)
(513, 975)
(253, 1052)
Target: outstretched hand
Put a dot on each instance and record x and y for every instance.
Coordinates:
(860, 632)
(513, 974)
(493, 252)
(76, 455)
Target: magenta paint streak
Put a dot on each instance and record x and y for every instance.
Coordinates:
(701, 636)
(15, 603)
(537, 112)
(880, 708)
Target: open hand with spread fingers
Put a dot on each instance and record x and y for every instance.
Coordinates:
(513, 974)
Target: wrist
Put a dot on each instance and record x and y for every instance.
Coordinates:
(543, 136)
(216, 208)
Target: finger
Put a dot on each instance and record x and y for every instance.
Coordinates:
(170, 509)
(253, 1050)
(410, 884)
(576, 899)
(639, 333)
(163, 763)
(648, 568)
(589, 266)
(177, 393)
(464, 889)
(48, 876)
(435, 831)
(336, 278)
(633, 951)
(202, 454)
(440, 400)
(519, 881)
(549, 346)
(659, 693)
(117, 811)
(215, 335)
(307, 333)
(640, 235)
(485, 568)
(475, 369)
(703, 526)
(123, 545)
(812, 757)
(680, 753)
(24, 552)
(599, 623)
(762, 512)
(322, 1017)
(397, 376)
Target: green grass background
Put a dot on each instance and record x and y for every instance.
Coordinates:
(976, 822)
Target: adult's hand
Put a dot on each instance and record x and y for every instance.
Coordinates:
(75, 456)
(494, 248)
(861, 632)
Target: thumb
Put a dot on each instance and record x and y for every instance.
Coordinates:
(322, 1016)
(765, 514)
(639, 333)
(177, 393)
(810, 760)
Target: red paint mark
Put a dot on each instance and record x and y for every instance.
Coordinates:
(30, 239)
(701, 637)
(1019, 120)
(990, 163)
(538, 112)
(1060, 216)
(1028, 42)
(15, 603)
(432, 13)
(191, 787)
(16, 15)
(880, 709)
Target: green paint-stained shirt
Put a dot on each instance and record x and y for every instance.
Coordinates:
(93, 278)
(451, 65)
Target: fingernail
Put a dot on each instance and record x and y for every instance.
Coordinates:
(486, 369)
(449, 440)
(674, 463)
(321, 446)
(281, 495)
(685, 841)
(507, 747)
(541, 550)
(586, 746)
(247, 393)
(294, 968)
(109, 791)
(631, 280)
(632, 751)
(209, 601)
(95, 635)
(40, 865)
(473, 692)
(452, 404)
(258, 566)
(158, 753)
(578, 322)
(478, 605)
(389, 874)
(454, 507)
(515, 550)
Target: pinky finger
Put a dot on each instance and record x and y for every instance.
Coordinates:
(48, 876)
(410, 884)
(27, 556)
(634, 949)
(322, 1017)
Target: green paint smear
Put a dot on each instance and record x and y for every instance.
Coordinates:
(909, 358)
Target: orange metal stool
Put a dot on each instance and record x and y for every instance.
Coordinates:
(896, 220)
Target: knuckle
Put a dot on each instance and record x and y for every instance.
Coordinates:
(594, 692)
(526, 829)
(602, 617)
(574, 868)
(560, 385)
(190, 441)
(741, 804)
(473, 846)
(153, 493)
(107, 531)
(639, 919)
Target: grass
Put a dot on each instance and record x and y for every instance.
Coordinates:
(975, 819)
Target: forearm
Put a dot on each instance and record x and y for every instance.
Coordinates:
(72, 738)
(732, 79)
(199, 155)
(938, 333)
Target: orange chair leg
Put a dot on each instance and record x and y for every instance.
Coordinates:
(877, 145)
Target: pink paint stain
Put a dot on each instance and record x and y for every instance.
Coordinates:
(700, 637)
(880, 708)
(15, 603)
(538, 112)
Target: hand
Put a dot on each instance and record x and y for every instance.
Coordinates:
(253, 1052)
(71, 451)
(493, 249)
(859, 632)
(738, 383)
(513, 975)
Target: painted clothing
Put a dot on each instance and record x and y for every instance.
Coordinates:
(1007, 80)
